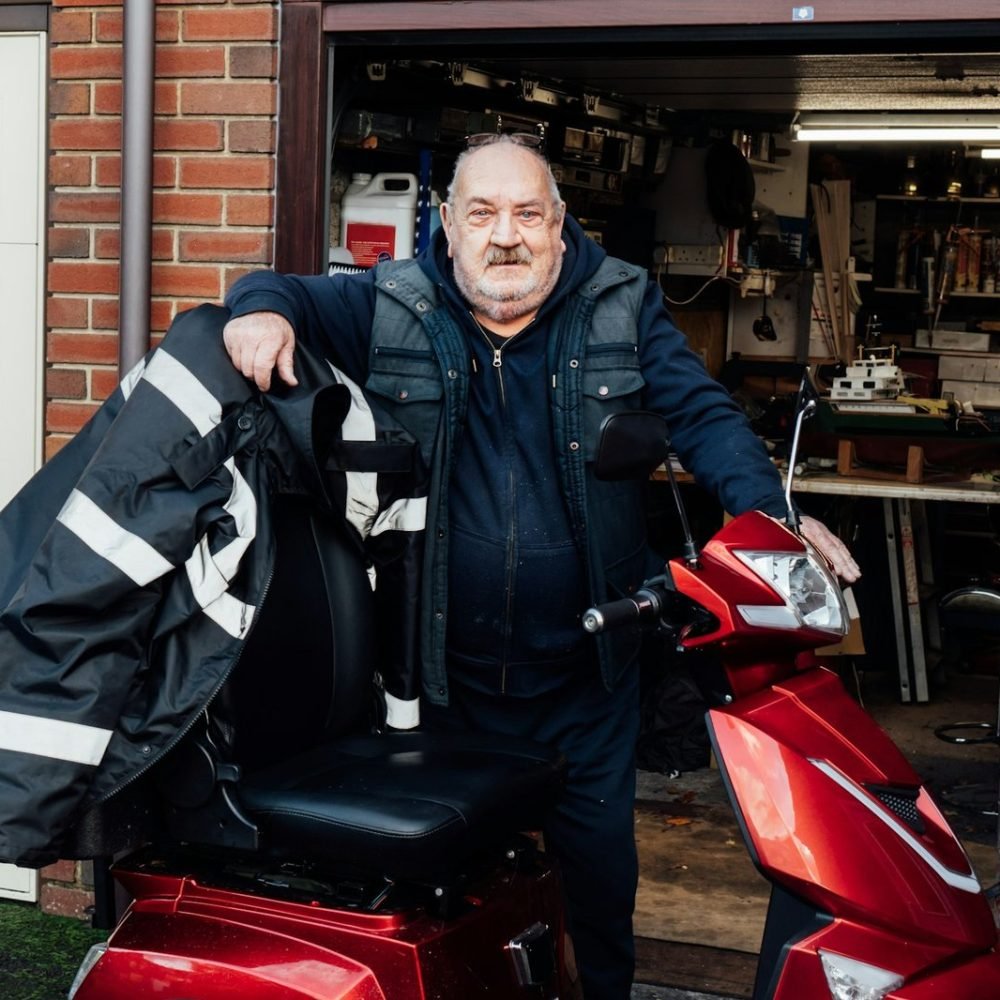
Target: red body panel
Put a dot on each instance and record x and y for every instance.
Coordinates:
(900, 900)
(803, 764)
(805, 767)
(931, 972)
(181, 939)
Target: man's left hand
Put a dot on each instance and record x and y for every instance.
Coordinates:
(821, 538)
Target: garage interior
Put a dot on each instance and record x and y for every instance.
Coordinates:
(619, 115)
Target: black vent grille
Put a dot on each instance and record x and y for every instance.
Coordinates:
(901, 802)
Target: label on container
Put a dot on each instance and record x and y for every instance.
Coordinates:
(370, 242)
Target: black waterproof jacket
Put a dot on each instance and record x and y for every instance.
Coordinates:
(134, 564)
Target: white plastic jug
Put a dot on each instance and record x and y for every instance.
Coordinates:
(378, 216)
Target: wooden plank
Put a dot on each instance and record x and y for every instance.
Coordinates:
(911, 587)
(694, 967)
(847, 464)
(821, 211)
(902, 660)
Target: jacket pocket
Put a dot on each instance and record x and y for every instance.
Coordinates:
(406, 385)
(606, 390)
(413, 395)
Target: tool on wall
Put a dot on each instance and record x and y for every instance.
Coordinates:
(763, 327)
(946, 278)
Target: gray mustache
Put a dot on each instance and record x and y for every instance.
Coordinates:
(516, 255)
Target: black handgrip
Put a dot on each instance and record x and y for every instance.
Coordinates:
(644, 605)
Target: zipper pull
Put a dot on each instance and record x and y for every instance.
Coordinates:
(475, 365)
(497, 360)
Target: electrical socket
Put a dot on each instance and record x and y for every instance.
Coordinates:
(703, 255)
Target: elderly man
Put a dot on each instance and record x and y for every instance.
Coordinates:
(502, 348)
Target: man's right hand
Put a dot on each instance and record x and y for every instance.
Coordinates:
(260, 342)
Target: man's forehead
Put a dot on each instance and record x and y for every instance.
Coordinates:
(514, 174)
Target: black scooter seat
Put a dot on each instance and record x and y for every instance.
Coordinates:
(409, 804)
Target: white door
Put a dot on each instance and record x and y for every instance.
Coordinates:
(22, 263)
(22, 248)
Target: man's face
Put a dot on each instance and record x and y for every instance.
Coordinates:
(504, 232)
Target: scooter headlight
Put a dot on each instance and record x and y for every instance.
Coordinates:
(812, 596)
(849, 979)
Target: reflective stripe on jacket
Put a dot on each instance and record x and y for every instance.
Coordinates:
(135, 562)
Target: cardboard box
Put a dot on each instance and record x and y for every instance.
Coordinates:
(959, 340)
(987, 395)
(962, 392)
(964, 369)
(981, 394)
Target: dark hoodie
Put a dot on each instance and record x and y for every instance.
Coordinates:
(512, 554)
(513, 562)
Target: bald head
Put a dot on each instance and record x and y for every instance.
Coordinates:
(502, 146)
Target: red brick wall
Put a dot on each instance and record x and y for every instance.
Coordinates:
(213, 204)
(213, 176)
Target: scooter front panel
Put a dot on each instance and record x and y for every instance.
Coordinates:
(803, 794)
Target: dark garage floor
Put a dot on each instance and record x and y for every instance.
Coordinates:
(701, 904)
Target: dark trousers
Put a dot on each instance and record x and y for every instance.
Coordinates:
(592, 830)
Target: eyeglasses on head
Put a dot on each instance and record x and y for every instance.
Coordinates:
(530, 140)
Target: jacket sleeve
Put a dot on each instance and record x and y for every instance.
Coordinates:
(330, 315)
(709, 432)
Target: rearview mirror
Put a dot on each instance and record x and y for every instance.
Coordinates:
(631, 445)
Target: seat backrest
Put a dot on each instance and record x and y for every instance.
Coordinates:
(306, 672)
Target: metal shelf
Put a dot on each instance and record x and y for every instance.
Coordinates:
(918, 199)
(890, 290)
(950, 352)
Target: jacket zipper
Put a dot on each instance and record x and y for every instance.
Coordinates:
(511, 487)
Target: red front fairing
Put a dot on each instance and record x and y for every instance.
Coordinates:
(753, 656)
(183, 939)
(721, 582)
(804, 765)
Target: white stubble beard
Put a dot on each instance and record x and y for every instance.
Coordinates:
(505, 302)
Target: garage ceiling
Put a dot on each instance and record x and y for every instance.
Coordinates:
(784, 84)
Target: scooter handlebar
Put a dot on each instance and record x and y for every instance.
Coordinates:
(644, 605)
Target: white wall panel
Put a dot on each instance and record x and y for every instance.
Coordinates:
(22, 227)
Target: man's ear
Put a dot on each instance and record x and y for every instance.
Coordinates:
(446, 224)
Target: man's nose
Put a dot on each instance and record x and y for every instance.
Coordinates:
(505, 231)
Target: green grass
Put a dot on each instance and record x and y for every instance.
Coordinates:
(39, 954)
